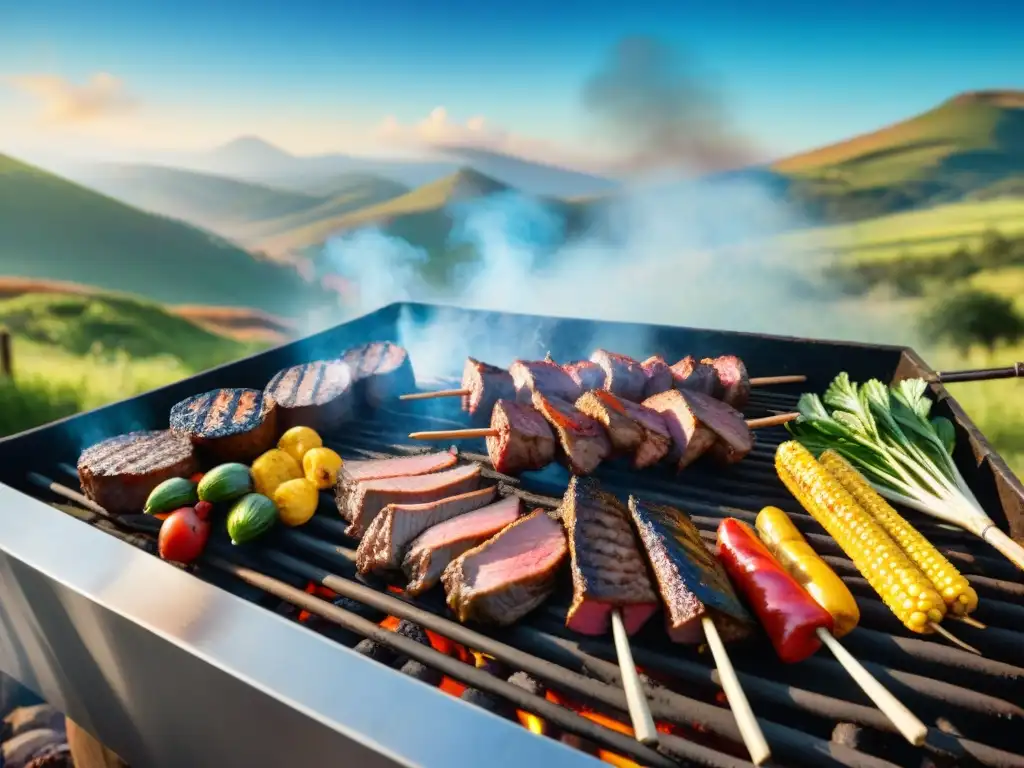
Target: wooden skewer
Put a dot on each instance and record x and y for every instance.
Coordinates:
(639, 712)
(906, 722)
(971, 622)
(750, 730)
(467, 434)
(770, 381)
(953, 638)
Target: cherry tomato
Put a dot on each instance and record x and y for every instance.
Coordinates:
(183, 536)
(204, 509)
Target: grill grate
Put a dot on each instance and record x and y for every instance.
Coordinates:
(811, 713)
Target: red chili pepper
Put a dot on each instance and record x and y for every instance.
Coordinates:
(182, 536)
(788, 614)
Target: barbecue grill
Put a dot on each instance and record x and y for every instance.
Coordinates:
(214, 665)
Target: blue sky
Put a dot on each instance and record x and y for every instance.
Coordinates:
(324, 75)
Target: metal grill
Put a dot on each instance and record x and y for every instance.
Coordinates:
(811, 713)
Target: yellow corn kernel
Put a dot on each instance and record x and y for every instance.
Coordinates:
(878, 558)
(956, 592)
(802, 563)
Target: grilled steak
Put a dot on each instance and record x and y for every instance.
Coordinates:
(119, 473)
(654, 441)
(397, 525)
(525, 440)
(510, 574)
(353, 472)
(369, 497)
(689, 577)
(734, 438)
(544, 376)
(227, 424)
(691, 438)
(658, 376)
(624, 434)
(608, 571)
(733, 382)
(487, 384)
(694, 375)
(317, 395)
(431, 552)
(623, 376)
(584, 443)
(381, 371)
(587, 374)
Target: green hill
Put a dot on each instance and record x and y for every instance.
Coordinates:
(54, 229)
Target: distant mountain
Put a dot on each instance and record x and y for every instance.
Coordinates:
(54, 229)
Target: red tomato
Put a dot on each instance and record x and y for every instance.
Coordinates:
(183, 536)
(203, 509)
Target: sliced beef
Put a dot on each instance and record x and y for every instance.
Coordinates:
(119, 473)
(691, 438)
(733, 383)
(487, 384)
(584, 443)
(734, 439)
(317, 395)
(227, 424)
(623, 376)
(432, 550)
(369, 497)
(694, 375)
(387, 537)
(624, 434)
(510, 574)
(658, 375)
(589, 375)
(608, 570)
(381, 371)
(657, 442)
(689, 577)
(545, 376)
(525, 440)
(354, 472)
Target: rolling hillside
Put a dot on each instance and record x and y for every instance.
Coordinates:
(53, 229)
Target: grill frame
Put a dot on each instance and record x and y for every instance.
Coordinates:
(64, 609)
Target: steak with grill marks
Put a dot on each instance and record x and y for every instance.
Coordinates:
(583, 441)
(623, 376)
(608, 570)
(658, 375)
(317, 395)
(589, 375)
(691, 437)
(432, 550)
(354, 472)
(227, 424)
(119, 473)
(487, 384)
(649, 430)
(693, 375)
(734, 439)
(391, 532)
(733, 384)
(691, 580)
(381, 371)
(525, 440)
(369, 497)
(510, 574)
(544, 376)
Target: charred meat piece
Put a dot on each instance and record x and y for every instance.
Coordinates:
(119, 473)
(733, 383)
(544, 376)
(227, 424)
(608, 570)
(653, 441)
(623, 376)
(381, 371)
(510, 574)
(658, 376)
(525, 440)
(691, 438)
(689, 577)
(583, 441)
(696, 376)
(354, 472)
(432, 550)
(734, 438)
(589, 375)
(487, 384)
(392, 531)
(317, 395)
(366, 500)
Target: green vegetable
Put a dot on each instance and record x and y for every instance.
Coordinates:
(171, 494)
(887, 435)
(250, 517)
(224, 483)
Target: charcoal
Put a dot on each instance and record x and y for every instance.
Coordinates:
(527, 683)
(421, 672)
(413, 632)
(487, 701)
(360, 609)
(492, 666)
(375, 651)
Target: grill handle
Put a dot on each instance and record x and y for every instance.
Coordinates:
(981, 374)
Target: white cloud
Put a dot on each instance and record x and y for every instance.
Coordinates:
(64, 102)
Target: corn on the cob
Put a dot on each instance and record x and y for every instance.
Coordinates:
(956, 592)
(901, 584)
